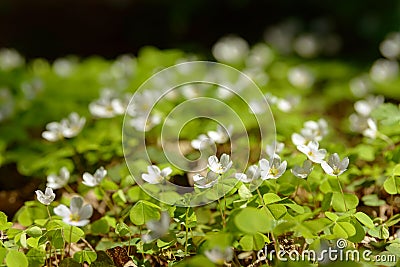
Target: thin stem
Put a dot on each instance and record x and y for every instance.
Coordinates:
(69, 189)
(341, 190)
(48, 212)
(312, 194)
(88, 244)
(70, 240)
(386, 139)
(186, 231)
(276, 245)
(222, 213)
(107, 199)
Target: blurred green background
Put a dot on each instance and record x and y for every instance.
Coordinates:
(50, 29)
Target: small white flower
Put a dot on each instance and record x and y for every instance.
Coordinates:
(201, 142)
(157, 228)
(73, 125)
(287, 104)
(77, 215)
(274, 149)
(312, 151)
(205, 182)
(303, 171)
(219, 166)
(390, 47)
(253, 173)
(361, 85)
(335, 166)
(260, 56)
(58, 181)
(221, 135)
(301, 77)
(144, 124)
(315, 129)
(365, 107)
(372, 130)
(107, 106)
(10, 59)
(219, 256)
(272, 169)
(384, 70)
(230, 50)
(155, 175)
(64, 67)
(47, 197)
(307, 45)
(96, 178)
(54, 132)
(358, 123)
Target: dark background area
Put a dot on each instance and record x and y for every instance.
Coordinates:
(54, 28)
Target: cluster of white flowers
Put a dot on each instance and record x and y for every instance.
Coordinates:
(283, 104)
(308, 144)
(312, 131)
(220, 136)
(108, 105)
(66, 128)
(217, 167)
(140, 111)
(361, 121)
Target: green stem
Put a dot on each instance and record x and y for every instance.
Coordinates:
(312, 194)
(70, 240)
(48, 212)
(341, 190)
(386, 139)
(186, 231)
(107, 199)
(69, 189)
(276, 245)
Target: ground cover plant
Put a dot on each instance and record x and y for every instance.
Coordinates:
(308, 162)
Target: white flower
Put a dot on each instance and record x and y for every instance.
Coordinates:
(142, 103)
(155, 175)
(157, 228)
(287, 104)
(73, 125)
(312, 152)
(47, 197)
(307, 45)
(384, 70)
(201, 142)
(143, 124)
(10, 59)
(372, 130)
(334, 166)
(257, 107)
(304, 171)
(77, 215)
(205, 182)
(58, 181)
(301, 77)
(96, 178)
(390, 47)
(107, 106)
(260, 56)
(54, 132)
(272, 169)
(274, 149)
(220, 136)
(316, 129)
(365, 107)
(361, 85)
(358, 123)
(219, 256)
(221, 166)
(253, 173)
(230, 50)
(64, 67)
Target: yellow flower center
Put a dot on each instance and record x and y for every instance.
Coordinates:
(74, 217)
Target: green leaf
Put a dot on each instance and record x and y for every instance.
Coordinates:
(119, 198)
(34, 231)
(331, 216)
(338, 202)
(344, 229)
(270, 198)
(3, 253)
(360, 232)
(122, 229)
(396, 170)
(392, 185)
(388, 114)
(15, 258)
(364, 219)
(253, 242)
(69, 262)
(77, 233)
(85, 256)
(100, 227)
(33, 242)
(4, 225)
(244, 192)
(36, 257)
(144, 211)
(380, 231)
(393, 220)
(372, 200)
(251, 220)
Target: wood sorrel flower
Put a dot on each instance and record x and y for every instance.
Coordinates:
(157, 228)
(96, 178)
(58, 181)
(77, 215)
(312, 152)
(272, 169)
(47, 197)
(303, 171)
(155, 175)
(219, 166)
(335, 166)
